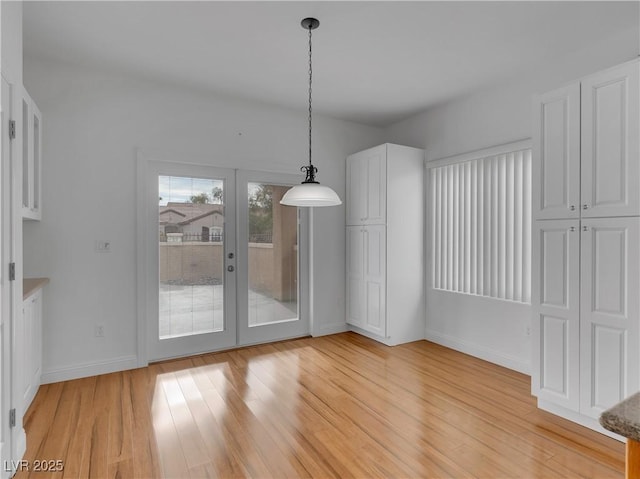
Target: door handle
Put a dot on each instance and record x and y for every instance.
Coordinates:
(230, 269)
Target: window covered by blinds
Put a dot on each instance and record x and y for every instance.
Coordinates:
(480, 224)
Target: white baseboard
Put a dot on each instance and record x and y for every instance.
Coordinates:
(21, 443)
(90, 369)
(375, 337)
(578, 418)
(333, 328)
(11, 462)
(478, 351)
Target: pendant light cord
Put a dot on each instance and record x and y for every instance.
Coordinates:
(310, 170)
(310, 80)
(310, 192)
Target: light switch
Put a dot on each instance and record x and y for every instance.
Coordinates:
(103, 246)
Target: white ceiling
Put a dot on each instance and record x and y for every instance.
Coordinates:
(374, 62)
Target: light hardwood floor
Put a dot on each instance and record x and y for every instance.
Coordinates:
(335, 406)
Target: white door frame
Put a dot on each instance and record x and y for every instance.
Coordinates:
(5, 292)
(14, 440)
(148, 261)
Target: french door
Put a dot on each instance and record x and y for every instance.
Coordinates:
(221, 259)
(272, 258)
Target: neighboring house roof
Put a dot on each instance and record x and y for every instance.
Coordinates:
(196, 218)
(171, 210)
(192, 211)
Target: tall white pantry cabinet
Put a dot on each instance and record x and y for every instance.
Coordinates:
(586, 244)
(385, 247)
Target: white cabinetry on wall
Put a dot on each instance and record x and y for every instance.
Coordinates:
(31, 158)
(609, 312)
(367, 187)
(586, 149)
(586, 244)
(556, 302)
(30, 353)
(366, 275)
(385, 249)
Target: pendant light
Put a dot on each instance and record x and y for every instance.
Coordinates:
(310, 192)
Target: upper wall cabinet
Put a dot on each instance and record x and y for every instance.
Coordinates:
(31, 159)
(367, 187)
(557, 169)
(610, 151)
(587, 150)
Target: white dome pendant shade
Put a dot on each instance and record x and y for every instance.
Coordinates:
(310, 192)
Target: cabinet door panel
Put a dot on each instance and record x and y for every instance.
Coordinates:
(610, 144)
(356, 201)
(556, 306)
(554, 377)
(36, 365)
(556, 154)
(367, 186)
(608, 363)
(375, 304)
(31, 134)
(355, 275)
(27, 158)
(24, 342)
(610, 307)
(36, 147)
(376, 185)
(375, 279)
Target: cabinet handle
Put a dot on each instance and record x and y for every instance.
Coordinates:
(584, 207)
(584, 228)
(573, 228)
(572, 207)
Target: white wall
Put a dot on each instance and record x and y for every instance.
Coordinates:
(93, 123)
(493, 329)
(11, 41)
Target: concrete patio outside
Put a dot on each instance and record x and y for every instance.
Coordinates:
(187, 310)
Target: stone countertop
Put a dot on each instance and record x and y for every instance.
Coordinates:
(31, 285)
(624, 418)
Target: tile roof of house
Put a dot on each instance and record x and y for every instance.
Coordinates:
(192, 211)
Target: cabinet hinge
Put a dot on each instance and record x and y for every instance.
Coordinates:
(12, 418)
(12, 271)
(12, 129)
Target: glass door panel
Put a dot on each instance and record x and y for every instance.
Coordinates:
(191, 245)
(268, 266)
(192, 260)
(273, 256)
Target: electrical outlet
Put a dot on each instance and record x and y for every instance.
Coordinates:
(99, 331)
(528, 331)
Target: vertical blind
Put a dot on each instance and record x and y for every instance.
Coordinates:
(481, 226)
